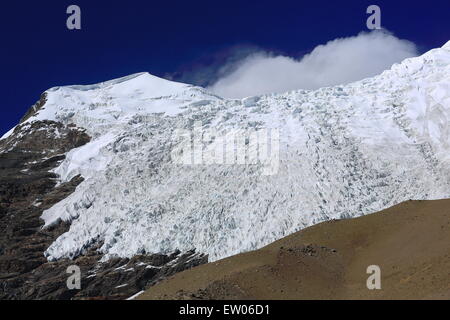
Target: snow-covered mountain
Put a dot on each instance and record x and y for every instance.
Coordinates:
(343, 151)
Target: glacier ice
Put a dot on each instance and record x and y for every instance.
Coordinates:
(345, 151)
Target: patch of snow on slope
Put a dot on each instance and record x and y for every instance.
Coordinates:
(345, 151)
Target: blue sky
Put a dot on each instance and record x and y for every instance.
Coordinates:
(184, 40)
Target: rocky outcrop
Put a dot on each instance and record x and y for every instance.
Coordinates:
(27, 187)
(117, 278)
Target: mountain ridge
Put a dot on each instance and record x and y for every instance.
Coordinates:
(121, 175)
(350, 129)
(376, 142)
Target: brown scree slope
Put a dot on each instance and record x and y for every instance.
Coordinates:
(410, 242)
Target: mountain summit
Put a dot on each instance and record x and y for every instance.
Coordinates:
(342, 151)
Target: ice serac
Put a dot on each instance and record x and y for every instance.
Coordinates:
(344, 151)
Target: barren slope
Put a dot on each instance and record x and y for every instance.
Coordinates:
(410, 242)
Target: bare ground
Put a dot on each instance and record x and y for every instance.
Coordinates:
(410, 242)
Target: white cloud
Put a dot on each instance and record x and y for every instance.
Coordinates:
(339, 61)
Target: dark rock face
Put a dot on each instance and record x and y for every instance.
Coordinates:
(117, 278)
(26, 189)
(120, 278)
(35, 108)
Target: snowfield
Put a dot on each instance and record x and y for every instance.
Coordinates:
(345, 151)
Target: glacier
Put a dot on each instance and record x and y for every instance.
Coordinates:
(345, 151)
